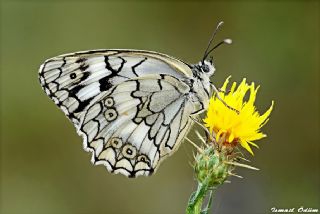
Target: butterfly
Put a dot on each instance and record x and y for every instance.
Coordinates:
(132, 107)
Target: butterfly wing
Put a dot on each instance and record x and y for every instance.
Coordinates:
(131, 107)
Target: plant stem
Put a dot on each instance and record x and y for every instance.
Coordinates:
(209, 202)
(197, 197)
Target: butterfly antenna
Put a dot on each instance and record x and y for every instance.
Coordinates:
(225, 41)
(210, 41)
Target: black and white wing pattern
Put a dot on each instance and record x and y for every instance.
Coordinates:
(131, 107)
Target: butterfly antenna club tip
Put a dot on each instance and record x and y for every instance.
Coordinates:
(227, 41)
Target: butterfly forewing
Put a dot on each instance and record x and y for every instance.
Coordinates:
(131, 107)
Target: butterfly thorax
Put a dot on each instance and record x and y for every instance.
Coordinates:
(201, 89)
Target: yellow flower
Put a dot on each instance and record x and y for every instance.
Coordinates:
(231, 127)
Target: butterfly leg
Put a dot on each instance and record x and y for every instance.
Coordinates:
(218, 96)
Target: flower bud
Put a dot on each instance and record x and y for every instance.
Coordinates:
(210, 167)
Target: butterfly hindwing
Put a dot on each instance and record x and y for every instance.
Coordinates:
(134, 126)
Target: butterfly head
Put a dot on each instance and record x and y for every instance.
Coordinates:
(206, 67)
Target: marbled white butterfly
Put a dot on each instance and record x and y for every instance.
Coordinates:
(132, 107)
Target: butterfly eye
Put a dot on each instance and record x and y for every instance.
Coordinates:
(205, 68)
(129, 151)
(110, 114)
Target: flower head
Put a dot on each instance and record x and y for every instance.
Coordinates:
(231, 127)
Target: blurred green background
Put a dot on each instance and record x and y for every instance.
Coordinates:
(276, 44)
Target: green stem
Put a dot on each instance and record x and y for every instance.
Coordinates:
(197, 197)
(207, 209)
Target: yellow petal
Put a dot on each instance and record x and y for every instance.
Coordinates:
(224, 86)
(263, 118)
(231, 137)
(245, 145)
(253, 144)
(219, 134)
